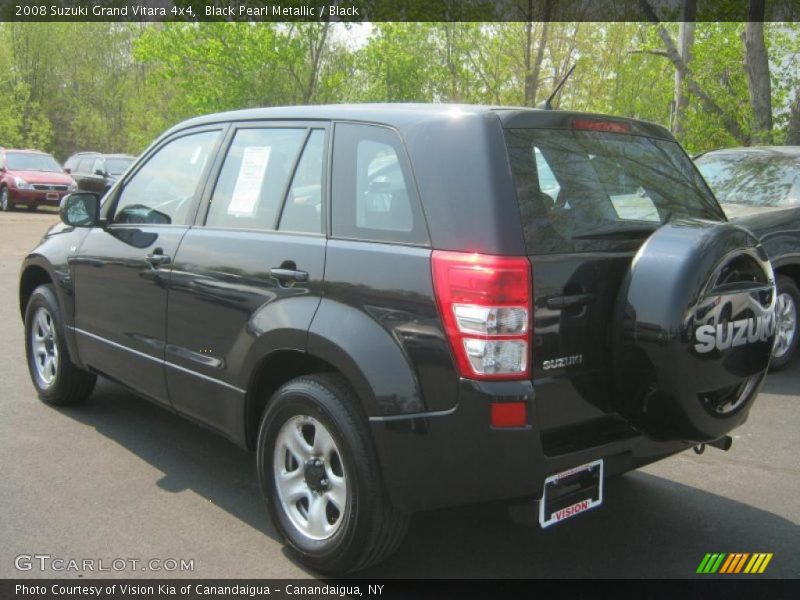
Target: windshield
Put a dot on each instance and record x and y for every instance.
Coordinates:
(32, 162)
(755, 180)
(580, 189)
(117, 166)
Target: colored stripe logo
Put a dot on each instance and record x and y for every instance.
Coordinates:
(733, 563)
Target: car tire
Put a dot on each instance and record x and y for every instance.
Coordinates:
(32, 207)
(56, 378)
(319, 473)
(6, 205)
(787, 307)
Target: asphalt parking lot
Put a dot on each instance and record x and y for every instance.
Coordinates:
(121, 478)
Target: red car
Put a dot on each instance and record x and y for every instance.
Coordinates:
(31, 178)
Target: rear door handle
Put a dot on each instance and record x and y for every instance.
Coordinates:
(156, 259)
(559, 302)
(288, 274)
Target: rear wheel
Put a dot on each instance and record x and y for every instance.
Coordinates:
(786, 324)
(319, 474)
(56, 379)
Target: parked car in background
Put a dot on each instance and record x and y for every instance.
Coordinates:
(759, 188)
(95, 172)
(31, 178)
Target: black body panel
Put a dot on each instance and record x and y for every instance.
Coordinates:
(227, 313)
(779, 233)
(121, 304)
(379, 325)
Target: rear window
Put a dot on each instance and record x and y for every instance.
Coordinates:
(582, 191)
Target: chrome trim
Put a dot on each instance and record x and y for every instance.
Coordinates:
(420, 415)
(206, 377)
(159, 360)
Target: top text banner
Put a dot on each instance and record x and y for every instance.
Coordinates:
(401, 10)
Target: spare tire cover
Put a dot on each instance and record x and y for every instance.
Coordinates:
(694, 328)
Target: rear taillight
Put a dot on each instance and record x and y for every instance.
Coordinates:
(485, 303)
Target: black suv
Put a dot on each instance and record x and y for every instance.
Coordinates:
(406, 307)
(95, 172)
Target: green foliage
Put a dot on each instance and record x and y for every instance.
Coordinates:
(114, 87)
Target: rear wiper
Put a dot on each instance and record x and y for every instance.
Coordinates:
(616, 234)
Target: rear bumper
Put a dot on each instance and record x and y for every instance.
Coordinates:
(456, 458)
(36, 197)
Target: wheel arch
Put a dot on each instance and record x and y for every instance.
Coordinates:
(790, 270)
(33, 275)
(270, 373)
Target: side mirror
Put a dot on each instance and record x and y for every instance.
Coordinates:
(67, 170)
(100, 172)
(80, 209)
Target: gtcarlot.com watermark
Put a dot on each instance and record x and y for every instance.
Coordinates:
(59, 564)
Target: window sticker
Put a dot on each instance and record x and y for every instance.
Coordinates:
(250, 180)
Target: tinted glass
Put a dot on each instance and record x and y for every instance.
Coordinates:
(163, 190)
(303, 208)
(117, 166)
(753, 179)
(586, 190)
(251, 185)
(32, 162)
(373, 192)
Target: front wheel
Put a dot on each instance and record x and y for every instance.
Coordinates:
(319, 473)
(786, 323)
(55, 377)
(5, 200)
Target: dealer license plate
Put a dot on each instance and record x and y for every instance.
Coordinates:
(571, 492)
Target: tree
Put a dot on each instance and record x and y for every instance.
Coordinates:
(757, 67)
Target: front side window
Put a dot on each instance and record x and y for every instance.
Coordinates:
(117, 166)
(163, 190)
(85, 165)
(251, 184)
(373, 193)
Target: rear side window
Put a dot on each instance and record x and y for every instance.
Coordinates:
(374, 197)
(589, 190)
(257, 168)
(302, 210)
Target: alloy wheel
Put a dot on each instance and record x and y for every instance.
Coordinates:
(310, 478)
(786, 324)
(44, 347)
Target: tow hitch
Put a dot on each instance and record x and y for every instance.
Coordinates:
(724, 443)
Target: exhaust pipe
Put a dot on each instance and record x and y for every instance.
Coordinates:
(724, 443)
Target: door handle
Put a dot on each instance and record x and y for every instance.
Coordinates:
(293, 275)
(156, 259)
(560, 302)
